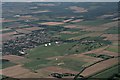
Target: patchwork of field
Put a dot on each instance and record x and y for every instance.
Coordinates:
(52, 39)
(68, 62)
(66, 57)
(71, 34)
(96, 23)
(8, 34)
(49, 56)
(90, 34)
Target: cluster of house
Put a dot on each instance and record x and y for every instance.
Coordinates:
(19, 45)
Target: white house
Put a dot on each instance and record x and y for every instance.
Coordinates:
(60, 63)
(56, 42)
(49, 44)
(46, 45)
(22, 52)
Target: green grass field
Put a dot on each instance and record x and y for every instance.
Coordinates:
(73, 64)
(50, 51)
(64, 49)
(69, 63)
(39, 55)
(37, 64)
(68, 36)
(113, 49)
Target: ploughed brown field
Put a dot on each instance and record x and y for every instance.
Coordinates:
(18, 72)
(15, 59)
(8, 36)
(52, 23)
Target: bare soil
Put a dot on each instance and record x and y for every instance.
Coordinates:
(52, 23)
(15, 59)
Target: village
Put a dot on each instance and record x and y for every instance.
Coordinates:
(20, 44)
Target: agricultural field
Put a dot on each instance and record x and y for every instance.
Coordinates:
(107, 73)
(113, 49)
(59, 40)
(113, 30)
(6, 63)
(40, 56)
(72, 34)
(6, 31)
(93, 23)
